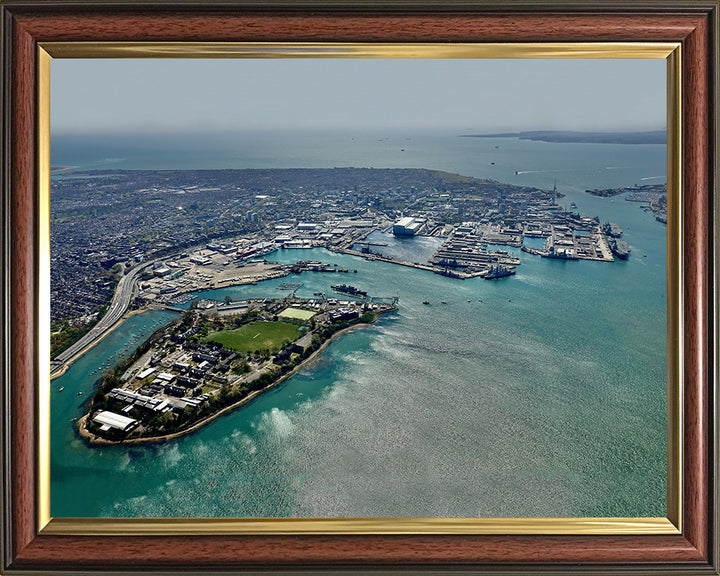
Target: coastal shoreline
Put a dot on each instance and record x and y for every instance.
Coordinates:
(66, 365)
(270, 275)
(94, 440)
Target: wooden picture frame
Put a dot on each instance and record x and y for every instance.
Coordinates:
(28, 547)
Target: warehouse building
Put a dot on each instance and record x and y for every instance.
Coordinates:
(406, 227)
(108, 420)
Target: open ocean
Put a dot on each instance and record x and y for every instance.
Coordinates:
(541, 394)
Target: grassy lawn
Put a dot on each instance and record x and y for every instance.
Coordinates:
(256, 336)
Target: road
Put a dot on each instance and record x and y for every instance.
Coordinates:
(118, 306)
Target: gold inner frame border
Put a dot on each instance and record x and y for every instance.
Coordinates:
(671, 524)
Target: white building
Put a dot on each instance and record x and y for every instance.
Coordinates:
(406, 227)
(108, 420)
(200, 260)
(145, 373)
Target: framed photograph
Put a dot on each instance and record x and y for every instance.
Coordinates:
(359, 287)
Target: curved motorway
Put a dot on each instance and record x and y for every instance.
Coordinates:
(118, 306)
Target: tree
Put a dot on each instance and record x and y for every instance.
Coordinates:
(243, 368)
(187, 413)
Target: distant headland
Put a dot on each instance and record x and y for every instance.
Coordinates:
(649, 137)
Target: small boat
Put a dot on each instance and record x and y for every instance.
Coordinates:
(426, 302)
(61, 388)
(79, 394)
(443, 302)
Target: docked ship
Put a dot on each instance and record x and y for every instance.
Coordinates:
(347, 289)
(257, 251)
(560, 255)
(530, 250)
(297, 245)
(450, 262)
(448, 273)
(558, 252)
(612, 229)
(498, 271)
(620, 248)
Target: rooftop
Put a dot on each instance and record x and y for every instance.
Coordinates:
(109, 420)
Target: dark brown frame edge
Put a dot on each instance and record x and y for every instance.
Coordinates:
(26, 23)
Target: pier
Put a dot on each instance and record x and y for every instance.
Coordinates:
(380, 258)
(172, 308)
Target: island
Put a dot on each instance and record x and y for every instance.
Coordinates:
(215, 358)
(578, 137)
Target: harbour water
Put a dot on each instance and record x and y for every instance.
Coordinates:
(541, 394)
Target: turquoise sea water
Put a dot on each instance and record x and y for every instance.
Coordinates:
(542, 394)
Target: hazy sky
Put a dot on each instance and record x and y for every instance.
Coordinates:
(476, 95)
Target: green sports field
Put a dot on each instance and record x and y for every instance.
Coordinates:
(297, 314)
(256, 336)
